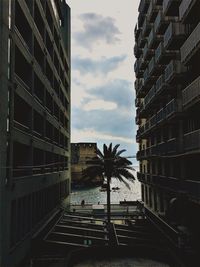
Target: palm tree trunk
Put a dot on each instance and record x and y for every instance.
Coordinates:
(108, 199)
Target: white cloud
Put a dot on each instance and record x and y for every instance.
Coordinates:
(99, 105)
(123, 15)
(88, 135)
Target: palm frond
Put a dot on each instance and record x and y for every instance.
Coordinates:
(105, 150)
(110, 148)
(120, 152)
(115, 150)
(126, 174)
(99, 153)
(120, 178)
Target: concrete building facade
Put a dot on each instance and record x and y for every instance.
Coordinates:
(34, 119)
(167, 51)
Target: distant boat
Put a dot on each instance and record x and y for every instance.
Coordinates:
(115, 188)
(102, 189)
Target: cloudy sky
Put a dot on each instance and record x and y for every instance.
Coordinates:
(102, 72)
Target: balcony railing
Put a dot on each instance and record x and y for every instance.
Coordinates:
(166, 5)
(164, 148)
(141, 176)
(158, 52)
(171, 6)
(153, 8)
(192, 140)
(174, 32)
(160, 83)
(191, 92)
(192, 188)
(149, 96)
(191, 45)
(141, 40)
(171, 108)
(146, 27)
(141, 154)
(152, 121)
(143, 6)
(173, 69)
(137, 102)
(151, 37)
(161, 115)
(185, 7)
(146, 74)
(165, 181)
(172, 146)
(136, 67)
(151, 65)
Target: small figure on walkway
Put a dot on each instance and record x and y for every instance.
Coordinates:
(83, 203)
(127, 210)
(98, 202)
(74, 210)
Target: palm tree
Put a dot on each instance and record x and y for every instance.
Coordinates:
(110, 164)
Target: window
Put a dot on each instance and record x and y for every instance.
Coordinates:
(23, 26)
(22, 112)
(21, 161)
(23, 69)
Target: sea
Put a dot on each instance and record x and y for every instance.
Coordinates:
(94, 195)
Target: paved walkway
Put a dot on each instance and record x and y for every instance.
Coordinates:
(123, 263)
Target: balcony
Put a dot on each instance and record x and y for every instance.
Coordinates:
(192, 141)
(152, 121)
(137, 69)
(141, 41)
(137, 102)
(161, 22)
(191, 93)
(151, 65)
(137, 51)
(174, 71)
(171, 7)
(171, 108)
(191, 45)
(147, 53)
(141, 18)
(148, 79)
(139, 87)
(185, 8)
(141, 177)
(153, 10)
(163, 56)
(148, 98)
(153, 39)
(142, 64)
(137, 32)
(160, 84)
(174, 36)
(192, 188)
(143, 7)
(172, 146)
(146, 27)
(165, 148)
(161, 115)
(141, 154)
(165, 181)
(146, 74)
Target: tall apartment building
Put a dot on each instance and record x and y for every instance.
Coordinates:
(34, 119)
(167, 69)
